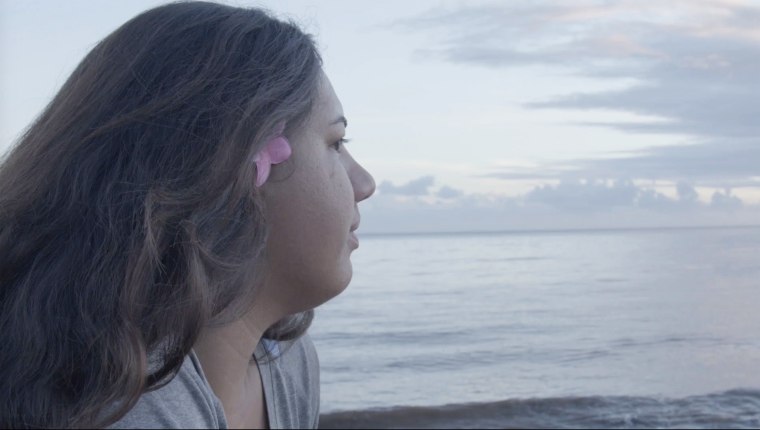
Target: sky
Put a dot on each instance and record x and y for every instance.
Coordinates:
(495, 115)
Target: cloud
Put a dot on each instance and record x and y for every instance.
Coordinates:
(686, 193)
(580, 195)
(725, 201)
(653, 201)
(604, 196)
(447, 192)
(695, 64)
(416, 187)
(568, 204)
(716, 163)
(734, 163)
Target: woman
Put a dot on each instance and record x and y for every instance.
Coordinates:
(184, 197)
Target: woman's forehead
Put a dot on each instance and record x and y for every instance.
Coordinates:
(327, 107)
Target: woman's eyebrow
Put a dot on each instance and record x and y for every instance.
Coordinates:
(339, 120)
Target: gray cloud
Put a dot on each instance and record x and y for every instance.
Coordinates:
(579, 195)
(568, 196)
(727, 163)
(569, 204)
(603, 196)
(686, 193)
(417, 187)
(725, 201)
(702, 80)
(653, 201)
(447, 192)
(716, 163)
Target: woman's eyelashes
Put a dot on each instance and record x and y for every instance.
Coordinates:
(338, 145)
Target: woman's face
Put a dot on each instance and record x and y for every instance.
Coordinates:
(311, 207)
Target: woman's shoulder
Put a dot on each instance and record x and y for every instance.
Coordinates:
(185, 402)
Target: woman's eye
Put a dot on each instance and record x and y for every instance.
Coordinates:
(339, 144)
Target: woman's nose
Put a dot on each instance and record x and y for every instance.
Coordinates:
(363, 182)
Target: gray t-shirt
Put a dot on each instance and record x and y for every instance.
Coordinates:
(291, 392)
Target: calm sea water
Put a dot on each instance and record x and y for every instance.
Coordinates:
(564, 329)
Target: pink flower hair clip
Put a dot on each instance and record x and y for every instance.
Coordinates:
(276, 150)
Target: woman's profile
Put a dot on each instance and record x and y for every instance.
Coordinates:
(168, 224)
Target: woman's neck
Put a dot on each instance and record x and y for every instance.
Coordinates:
(226, 356)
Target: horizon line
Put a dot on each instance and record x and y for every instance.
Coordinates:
(558, 230)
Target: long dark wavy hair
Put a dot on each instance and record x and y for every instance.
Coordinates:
(128, 215)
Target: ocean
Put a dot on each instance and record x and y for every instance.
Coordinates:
(566, 329)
